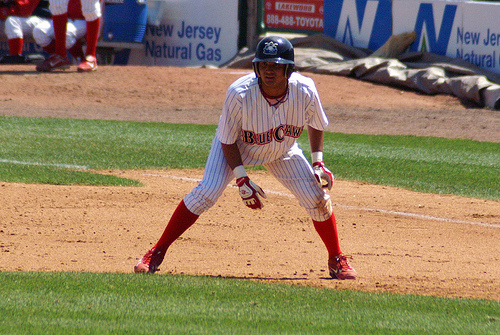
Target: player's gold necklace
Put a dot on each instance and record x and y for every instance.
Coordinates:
(277, 100)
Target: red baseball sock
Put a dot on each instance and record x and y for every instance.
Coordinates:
(16, 46)
(77, 51)
(60, 22)
(181, 220)
(327, 230)
(51, 48)
(92, 36)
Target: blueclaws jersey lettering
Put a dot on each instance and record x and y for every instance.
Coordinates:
(265, 133)
(276, 134)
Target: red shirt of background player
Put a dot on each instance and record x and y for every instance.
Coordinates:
(22, 8)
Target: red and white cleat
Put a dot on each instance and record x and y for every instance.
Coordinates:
(340, 268)
(89, 64)
(54, 62)
(150, 261)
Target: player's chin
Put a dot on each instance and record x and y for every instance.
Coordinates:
(269, 80)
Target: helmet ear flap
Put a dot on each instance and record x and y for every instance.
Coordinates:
(256, 69)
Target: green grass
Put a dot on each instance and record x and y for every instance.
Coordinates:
(425, 164)
(37, 147)
(38, 150)
(23, 173)
(86, 303)
(104, 144)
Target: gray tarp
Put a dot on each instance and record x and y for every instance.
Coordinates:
(424, 72)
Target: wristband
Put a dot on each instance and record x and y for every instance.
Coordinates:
(239, 172)
(317, 156)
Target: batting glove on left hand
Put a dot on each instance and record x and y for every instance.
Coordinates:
(323, 175)
(249, 192)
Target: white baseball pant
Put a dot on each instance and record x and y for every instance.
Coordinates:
(19, 27)
(293, 171)
(91, 9)
(75, 30)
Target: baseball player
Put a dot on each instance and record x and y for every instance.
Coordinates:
(76, 29)
(263, 115)
(21, 17)
(91, 10)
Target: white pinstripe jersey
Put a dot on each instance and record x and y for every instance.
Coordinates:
(265, 133)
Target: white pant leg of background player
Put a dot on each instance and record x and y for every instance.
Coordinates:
(44, 32)
(75, 30)
(216, 177)
(296, 174)
(58, 7)
(21, 27)
(91, 9)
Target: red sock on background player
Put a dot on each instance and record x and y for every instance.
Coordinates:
(50, 48)
(60, 22)
(16, 46)
(77, 51)
(92, 37)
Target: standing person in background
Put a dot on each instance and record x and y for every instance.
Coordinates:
(263, 115)
(21, 17)
(91, 10)
(76, 29)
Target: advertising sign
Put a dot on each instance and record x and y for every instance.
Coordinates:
(457, 29)
(359, 23)
(437, 24)
(294, 14)
(479, 38)
(191, 33)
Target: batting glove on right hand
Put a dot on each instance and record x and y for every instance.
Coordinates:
(249, 193)
(323, 175)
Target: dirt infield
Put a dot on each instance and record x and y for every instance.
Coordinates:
(401, 241)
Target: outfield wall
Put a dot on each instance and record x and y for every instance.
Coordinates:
(459, 29)
(206, 32)
(191, 33)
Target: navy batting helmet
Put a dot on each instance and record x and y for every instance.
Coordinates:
(275, 49)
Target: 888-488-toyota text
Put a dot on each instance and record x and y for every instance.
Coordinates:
(291, 21)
